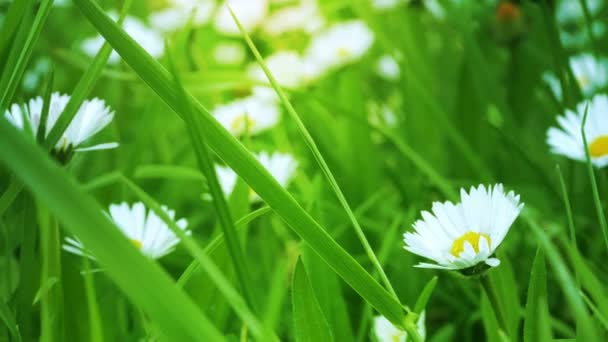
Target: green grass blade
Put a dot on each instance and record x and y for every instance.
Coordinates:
(21, 53)
(245, 164)
(205, 161)
(142, 280)
(309, 322)
(312, 146)
(95, 323)
(596, 195)
(9, 320)
(168, 172)
(537, 318)
(14, 16)
(425, 295)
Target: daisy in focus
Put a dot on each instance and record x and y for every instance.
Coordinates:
(151, 40)
(282, 167)
(92, 116)
(465, 235)
(567, 140)
(385, 331)
(148, 232)
(249, 115)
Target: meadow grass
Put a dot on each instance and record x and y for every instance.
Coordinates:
(296, 208)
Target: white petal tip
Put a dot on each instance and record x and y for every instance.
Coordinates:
(492, 262)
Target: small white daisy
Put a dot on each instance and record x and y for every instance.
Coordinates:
(148, 232)
(151, 40)
(282, 167)
(385, 331)
(302, 17)
(464, 235)
(179, 13)
(250, 14)
(251, 114)
(286, 67)
(567, 140)
(388, 68)
(590, 74)
(92, 116)
(340, 44)
(229, 53)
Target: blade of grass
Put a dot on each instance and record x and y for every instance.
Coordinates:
(142, 280)
(309, 322)
(168, 172)
(568, 208)
(245, 165)
(596, 196)
(319, 158)
(95, 323)
(203, 155)
(589, 27)
(15, 14)
(537, 320)
(9, 320)
(20, 53)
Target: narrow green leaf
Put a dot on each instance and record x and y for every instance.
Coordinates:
(15, 14)
(142, 280)
(537, 320)
(310, 324)
(425, 295)
(9, 320)
(245, 164)
(312, 146)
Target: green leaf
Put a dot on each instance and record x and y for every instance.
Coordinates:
(425, 295)
(245, 164)
(537, 320)
(310, 324)
(142, 280)
(9, 320)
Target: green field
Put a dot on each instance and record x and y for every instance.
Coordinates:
(303, 170)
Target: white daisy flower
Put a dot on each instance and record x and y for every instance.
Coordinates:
(250, 114)
(250, 14)
(151, 40)
(388, 68)
(567, 140)
(286, 67)
(282, 167)
(590, 74)
(385, 331)
(464, 235)
(92, 116)
(341, 44)
(305, 17)
(571, 11)
(180, 12)
(148, 232)
(229, 53)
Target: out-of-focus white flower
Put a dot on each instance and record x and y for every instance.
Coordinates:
(251, 115)
(305, 16)
(590, 73)
(386, 4)
(250, 14)
(149, 39)
(388, 68)
(229, 53)
(340, 44)
(282, 167)
(385, 331)
(92, 116)
(286, 67)
(576, 35)
(569, 11)
(148, 232)
(32, 77)
(179, 12)
(553, 83)
(567, 140)
(464, 235)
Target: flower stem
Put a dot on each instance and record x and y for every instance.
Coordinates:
(493, 297)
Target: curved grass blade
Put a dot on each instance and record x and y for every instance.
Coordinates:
(320, 160)
(309, 321)
(245, 165)
(537, 319)
(142, 280)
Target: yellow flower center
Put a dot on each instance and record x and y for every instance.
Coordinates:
(470, 237)
(136, 243)
(243, 122)
(343, 52)
(599, 147)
